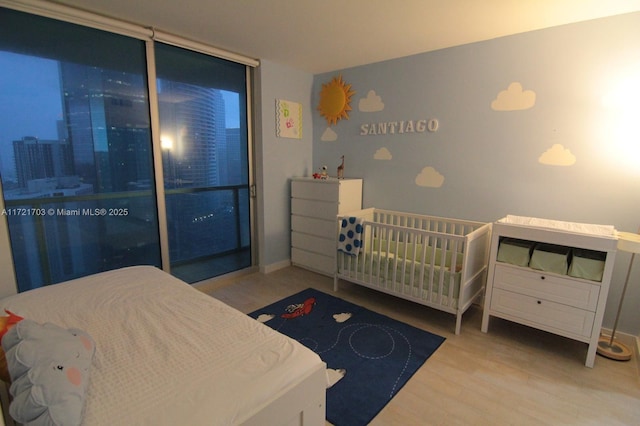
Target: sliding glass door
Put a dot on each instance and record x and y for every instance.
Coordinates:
(203, 133)
(75, 150)
(76, 154)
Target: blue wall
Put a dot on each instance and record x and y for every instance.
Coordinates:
(278, 159)
(487, 163)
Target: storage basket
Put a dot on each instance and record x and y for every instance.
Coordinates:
(550, 258)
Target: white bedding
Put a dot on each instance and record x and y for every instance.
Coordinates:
(167, 353)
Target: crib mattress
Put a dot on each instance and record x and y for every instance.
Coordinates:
(380, 270)
(167, 353)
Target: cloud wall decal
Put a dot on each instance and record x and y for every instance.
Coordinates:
(382, 154)
(557, 155)
(514, 99)
(329, 135)
(429, 177)
(372, 103)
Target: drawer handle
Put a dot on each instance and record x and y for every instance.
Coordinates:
(539, 302)
(542, 277)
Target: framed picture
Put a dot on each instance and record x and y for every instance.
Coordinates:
(288, 119)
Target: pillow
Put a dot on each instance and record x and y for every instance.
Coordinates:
(49, 368)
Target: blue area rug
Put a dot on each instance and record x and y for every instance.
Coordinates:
(370, 355)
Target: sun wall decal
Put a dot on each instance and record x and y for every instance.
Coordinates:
(335, 100)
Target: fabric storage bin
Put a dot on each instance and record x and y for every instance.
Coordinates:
(515, 252)
(587, 264)
(550, 258)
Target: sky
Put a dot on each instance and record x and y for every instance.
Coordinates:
(20, 103)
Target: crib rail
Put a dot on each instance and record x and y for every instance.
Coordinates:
(422, 222)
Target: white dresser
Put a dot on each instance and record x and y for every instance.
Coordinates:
(565, 300)
(315, 204)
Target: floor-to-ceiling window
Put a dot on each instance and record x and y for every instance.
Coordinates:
(76, 155)
(75, 150)
(203, 132)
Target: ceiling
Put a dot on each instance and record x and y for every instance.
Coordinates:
(325, 35)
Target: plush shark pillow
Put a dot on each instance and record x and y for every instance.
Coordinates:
(6, 323)
(49, 368)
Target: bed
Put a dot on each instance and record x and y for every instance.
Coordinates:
(167, 354)
(434, 261)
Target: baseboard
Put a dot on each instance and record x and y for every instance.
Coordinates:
(211, 284)
(267, 269)
(218, 282)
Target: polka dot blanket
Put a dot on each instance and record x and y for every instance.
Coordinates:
(350, 238)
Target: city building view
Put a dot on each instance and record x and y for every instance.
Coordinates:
(82, 198)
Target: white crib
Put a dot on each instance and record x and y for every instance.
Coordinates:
(437, 262)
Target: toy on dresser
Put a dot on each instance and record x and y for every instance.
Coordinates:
(323, 175)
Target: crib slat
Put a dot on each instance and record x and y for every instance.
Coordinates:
(412, 264)
(375, 230)
(395, 258)
(443, 259)
(452, 270)
(432, 263)
(425, 244)
(362, 259)
(403, 262)
(387, 251)
(383, 236)
(384, 253)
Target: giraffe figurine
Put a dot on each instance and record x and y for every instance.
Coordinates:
(341, 169)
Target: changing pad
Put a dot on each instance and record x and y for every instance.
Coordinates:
(579, 228)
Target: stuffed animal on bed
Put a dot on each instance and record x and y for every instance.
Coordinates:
(49, 368)
(6, 323)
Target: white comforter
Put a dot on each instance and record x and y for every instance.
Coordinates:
(167, 353)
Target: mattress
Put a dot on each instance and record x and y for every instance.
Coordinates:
(167, 353)
(381, 270)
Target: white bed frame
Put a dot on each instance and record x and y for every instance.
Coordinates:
(393, 260)
(302, 405)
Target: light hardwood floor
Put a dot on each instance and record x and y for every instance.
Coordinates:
(513, 375)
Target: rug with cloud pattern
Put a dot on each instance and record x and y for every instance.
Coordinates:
(369, 356)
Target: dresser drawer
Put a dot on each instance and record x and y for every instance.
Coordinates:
(322, 191)
(313, 243)
(539, 285)
(555, 317)
(317, 209)
(319, 227)
(314, 261)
